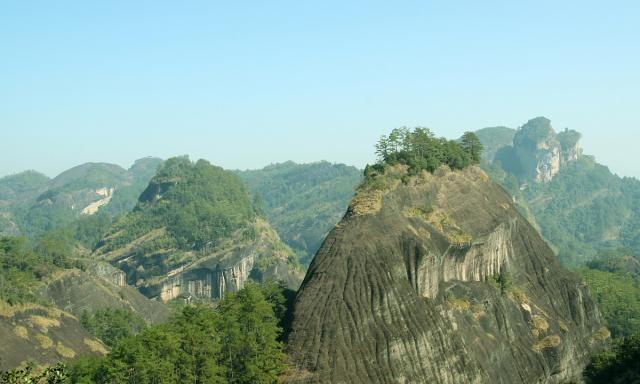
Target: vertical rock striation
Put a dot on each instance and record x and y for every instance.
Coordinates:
(534, 152)
(538, 152)
(438, 279)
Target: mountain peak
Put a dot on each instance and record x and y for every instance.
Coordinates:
(441, 266)
(536, 151)
(195, 232)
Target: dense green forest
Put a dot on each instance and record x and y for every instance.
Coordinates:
(112, 324)
(25, 265)
(237, 340)
(617, 365)
(303, 201)
(421, 149)
(197, 203)
(583, 211)
(614, 281)
(586, 209)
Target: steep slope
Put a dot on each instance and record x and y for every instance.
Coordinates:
(438, 279)
(42, 335)
(101, 286)
(195, 232)
(304, 201)
(582, 210)
(537, 152)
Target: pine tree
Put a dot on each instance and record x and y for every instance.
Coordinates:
(472, 146)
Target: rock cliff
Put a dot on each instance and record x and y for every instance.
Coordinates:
(171, 273)
(196, 234)
(101, 286)
(438, 279)
(538, 152)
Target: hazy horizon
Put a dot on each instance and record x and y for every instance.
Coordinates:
(247, 85)
(128, 163)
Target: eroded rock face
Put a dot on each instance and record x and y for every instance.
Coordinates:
(540, 151)
(105, 195)
(204, 274)
(207, 281)
(442, 281)
(101, 286)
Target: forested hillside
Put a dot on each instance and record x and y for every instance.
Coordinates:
(303, 201)
(193, 235)
(582, 209)
(31, 203)
(196, 231)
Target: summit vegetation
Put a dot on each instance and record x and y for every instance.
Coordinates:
(420, 149)
(197, 203)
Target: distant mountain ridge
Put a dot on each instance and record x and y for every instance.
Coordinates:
(303, 201)
(580, 206)
(533, 152)
(31, 203)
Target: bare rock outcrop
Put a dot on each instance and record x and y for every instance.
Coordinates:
(538, 152)
(438, 279)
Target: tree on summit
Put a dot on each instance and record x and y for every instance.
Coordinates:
(421, 149)
(472, 146)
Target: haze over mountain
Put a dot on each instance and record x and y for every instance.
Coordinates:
(580, 207)
(31, 203)
(202, 79)
(341, 192)
(304, 201)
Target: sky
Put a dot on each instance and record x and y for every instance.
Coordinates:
(249, 83)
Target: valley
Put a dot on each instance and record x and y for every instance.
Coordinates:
(504, 256)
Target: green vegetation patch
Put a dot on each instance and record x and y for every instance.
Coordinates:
(197, 203)
(419, 149)
(617, 364)
(65, 351)
(44, 341)
(43, 323)
(618, 297)
(21, 332)
(235, 342)
(459, 304)
(303, 202)
(112, 325)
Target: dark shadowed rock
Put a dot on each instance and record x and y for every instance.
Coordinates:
(438, 279)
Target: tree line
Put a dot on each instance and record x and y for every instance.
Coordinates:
(237, 341)
(421, 149)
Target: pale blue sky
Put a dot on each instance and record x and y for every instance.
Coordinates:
(248, 83)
